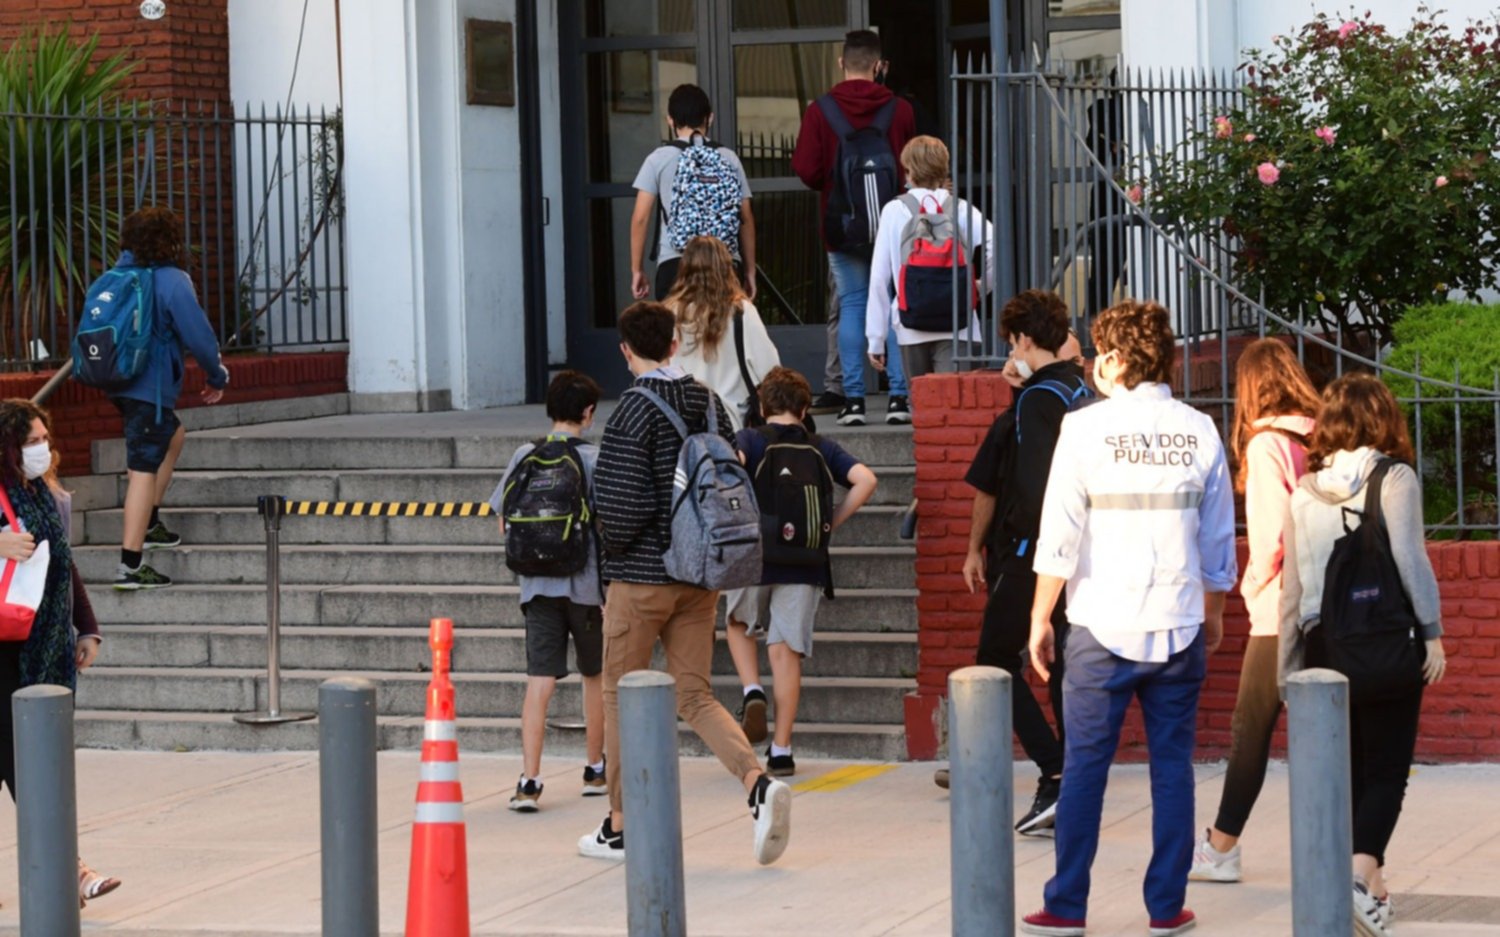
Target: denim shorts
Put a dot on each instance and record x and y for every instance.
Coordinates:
(146, 438)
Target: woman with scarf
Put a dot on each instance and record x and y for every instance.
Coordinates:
(51, 653)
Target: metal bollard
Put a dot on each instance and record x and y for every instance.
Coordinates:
(46, 810)
(982, 794)
(654, 897)
(346, 773)
(272, 507)
(1321, 813)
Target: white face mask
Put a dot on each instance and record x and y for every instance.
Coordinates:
(1022, 368)
(36, 459)
(1106, 386)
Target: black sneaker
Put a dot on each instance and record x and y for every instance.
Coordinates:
(828, 402)
(780, 766)
(603, 843)
(143, 577)
(160, 538)
(898, 411)
(527, 797)
(771, 809)
(853, 413)
(753, 717)
(1043, 812)
(594, 784)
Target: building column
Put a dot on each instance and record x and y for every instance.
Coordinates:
(1180, 33)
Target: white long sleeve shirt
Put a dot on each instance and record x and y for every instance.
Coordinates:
(882, 311)
(1139, 519)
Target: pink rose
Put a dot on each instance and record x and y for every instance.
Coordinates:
(1135, 193)
(1439, 182)
(1249, 138)
(1223, 129)
(1326, 134)
(1349, 28)
(1268, 173)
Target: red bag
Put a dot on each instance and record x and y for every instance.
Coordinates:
(15, 619)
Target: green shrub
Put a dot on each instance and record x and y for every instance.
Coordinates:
(1432, 341)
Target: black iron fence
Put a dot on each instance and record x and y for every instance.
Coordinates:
(261, 197)
(1051, 158)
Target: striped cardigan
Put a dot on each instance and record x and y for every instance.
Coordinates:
(633, 480)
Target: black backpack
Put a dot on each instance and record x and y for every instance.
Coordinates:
(794, 488)
(548, 520)
(1370, 633)
(865, 176)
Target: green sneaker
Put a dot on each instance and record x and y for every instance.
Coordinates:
(131, 580)
(160, 538)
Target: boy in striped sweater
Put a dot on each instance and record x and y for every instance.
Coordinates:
(634, 491)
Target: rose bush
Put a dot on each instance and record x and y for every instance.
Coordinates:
(1357, 179)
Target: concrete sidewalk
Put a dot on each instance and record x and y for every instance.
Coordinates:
(227, 844)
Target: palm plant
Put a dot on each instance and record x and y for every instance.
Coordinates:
(60, 146)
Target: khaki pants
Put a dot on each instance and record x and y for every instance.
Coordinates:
(682, 616)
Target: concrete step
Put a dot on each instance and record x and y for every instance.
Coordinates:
(877, 525)
(223, 450)
(478, 650)
(239, 488)
(869, 700)
(867, 610)
(853, 567)
(176, 731)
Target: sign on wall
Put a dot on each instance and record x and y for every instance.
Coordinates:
(490, 55)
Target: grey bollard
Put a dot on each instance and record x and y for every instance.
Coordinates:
(346, 772)
(655, 901)
(1321, 813)
(46, 810)
(981, 788)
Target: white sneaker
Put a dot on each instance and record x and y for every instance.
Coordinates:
(603, 843)
(1368, 919)
(771, 809)
(1387, 911)
(1210, 865)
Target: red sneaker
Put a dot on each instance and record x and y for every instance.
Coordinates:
(1180, 924)
(1050, 925)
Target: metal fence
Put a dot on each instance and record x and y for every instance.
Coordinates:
(1051, 159)
(261, 198)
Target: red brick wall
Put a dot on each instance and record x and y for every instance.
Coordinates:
(1461, 716)
(81, 414)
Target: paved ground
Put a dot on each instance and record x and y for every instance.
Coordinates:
(227, 844)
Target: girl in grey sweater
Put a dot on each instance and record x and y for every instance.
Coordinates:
(1361, 423)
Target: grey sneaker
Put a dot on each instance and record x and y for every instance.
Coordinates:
(144, 577)
(1210, 865)
(160, 538)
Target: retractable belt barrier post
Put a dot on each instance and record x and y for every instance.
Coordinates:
(1317, 703)
(46, 810)
(272, 507)
(982, 795)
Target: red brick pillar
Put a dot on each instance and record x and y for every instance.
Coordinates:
(952, 412)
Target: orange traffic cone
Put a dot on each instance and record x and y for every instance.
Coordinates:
(437, 899)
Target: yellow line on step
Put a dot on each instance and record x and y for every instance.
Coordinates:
(841, 778)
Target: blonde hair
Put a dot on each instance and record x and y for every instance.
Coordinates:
(925, 160)
(706, 293)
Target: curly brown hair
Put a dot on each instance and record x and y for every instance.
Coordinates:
(16, 416)
(784, 391)
(706, 294)
(1040, 315)
(1141, 333)
(1269, 381)
(154, 237)
(1359, 410)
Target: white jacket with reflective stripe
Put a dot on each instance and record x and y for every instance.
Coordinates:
(1139, 514)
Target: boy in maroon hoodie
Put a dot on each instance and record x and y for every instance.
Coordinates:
(863, 102)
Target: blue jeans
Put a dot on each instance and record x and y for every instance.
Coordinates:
(851, 278)
(1097, 688)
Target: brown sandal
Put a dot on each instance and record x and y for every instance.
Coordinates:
(93, 885)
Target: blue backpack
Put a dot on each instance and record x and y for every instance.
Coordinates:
(1074, 397)
(116, 332)
(865, 176)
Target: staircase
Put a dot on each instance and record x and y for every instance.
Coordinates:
(357, 593)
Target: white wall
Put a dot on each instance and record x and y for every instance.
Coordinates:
(263, 46)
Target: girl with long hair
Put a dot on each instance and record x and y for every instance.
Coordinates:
(1274, 416)
(708, 301)
(1359, 450)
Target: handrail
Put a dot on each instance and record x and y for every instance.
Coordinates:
(53, 383)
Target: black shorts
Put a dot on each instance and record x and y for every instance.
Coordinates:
(549, 621)
(146, 438)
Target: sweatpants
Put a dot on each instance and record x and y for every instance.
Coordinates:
(1256, 712)
(682, 617)
(1382, 743)
(1096, 692)
(1002, 642)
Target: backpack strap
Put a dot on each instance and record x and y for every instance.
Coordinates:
(1373, 486)
(1068, 395)
(885, 117)
(739, 350)
(656, 400)
(911, 202)
(834, 114)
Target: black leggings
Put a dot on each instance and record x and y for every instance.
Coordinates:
(1382, 743)
(10, 682)
(1256, 712)
(1002, 641)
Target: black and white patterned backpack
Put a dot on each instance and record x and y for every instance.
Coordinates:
(706, 196)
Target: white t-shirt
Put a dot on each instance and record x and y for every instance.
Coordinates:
(722, 374)
(658, 173)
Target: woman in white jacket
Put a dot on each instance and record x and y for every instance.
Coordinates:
(706, 299)
(925, 160)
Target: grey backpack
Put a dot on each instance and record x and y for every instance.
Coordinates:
(715, 520)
